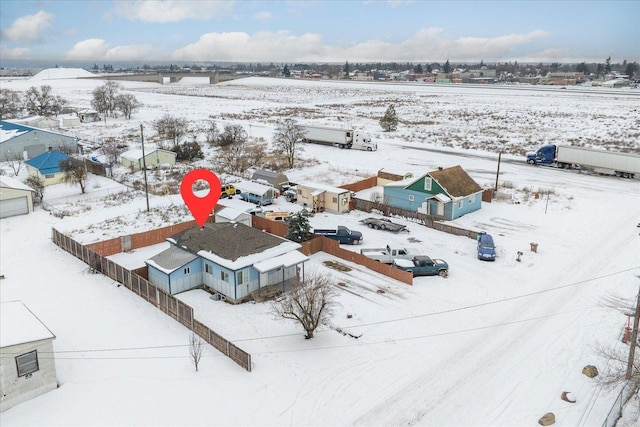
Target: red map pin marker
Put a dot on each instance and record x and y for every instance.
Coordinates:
(200, 207)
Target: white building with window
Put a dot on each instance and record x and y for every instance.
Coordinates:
(27, 365)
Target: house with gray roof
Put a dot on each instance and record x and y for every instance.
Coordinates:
(445, 193)
(232, 259)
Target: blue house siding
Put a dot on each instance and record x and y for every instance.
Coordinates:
(465, 205)
(158, 278)
(186, 277)
(402, 198)
(181, 279)
(225, 281)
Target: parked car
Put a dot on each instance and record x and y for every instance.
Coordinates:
(486, 247)
(423, 266)
(228, 190)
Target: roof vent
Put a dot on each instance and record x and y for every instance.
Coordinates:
(439, 168)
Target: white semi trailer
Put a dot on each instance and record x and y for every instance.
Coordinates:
(341, 137)
(600, 161)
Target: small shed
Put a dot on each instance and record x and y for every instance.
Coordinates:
(47, 167)
(274, 179)
(227, 214)
(321, 197)
(70, 121)
(153, 158)
(27, 365)
(16, 198)
(89, 116)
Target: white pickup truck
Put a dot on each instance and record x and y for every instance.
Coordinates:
(388, 254)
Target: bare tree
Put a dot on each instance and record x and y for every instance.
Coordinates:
(41, 101)
(232, 134)
(196, 349)
(310, 303)
(14, 161)
(10, 104)
(213, 133)
(236, 158)
(172, 128)
(104, 98)
(74, 172)
(111, 149)
(127, 104)
(286, 139)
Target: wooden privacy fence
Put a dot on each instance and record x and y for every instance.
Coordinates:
(332, 247)
(137, 284)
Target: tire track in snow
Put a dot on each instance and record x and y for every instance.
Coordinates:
(486, 353)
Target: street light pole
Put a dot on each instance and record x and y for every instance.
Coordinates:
(144, 166)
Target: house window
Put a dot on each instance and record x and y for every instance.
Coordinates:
(208, 269)
(427, 184)
(344, 201)
(27, 363)
(48, 176)
(224, 276)
(335, 200)
(411, 197)
(187, 270)
(460, 204)
(242, 276)
(472, 198)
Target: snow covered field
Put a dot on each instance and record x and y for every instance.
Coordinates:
(494, 344)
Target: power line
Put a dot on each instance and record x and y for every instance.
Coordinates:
(351, 327)
(452, 310)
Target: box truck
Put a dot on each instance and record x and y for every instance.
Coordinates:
(341, 137)
(625, 165)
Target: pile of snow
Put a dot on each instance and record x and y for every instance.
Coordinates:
(61, 73)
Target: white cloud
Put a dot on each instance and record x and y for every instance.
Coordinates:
(262, 46)
(98, 49)
(429, 44)
(28, 28)
(173, 11)
(262, 15)
(15, 53)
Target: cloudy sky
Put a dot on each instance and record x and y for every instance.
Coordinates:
(320, 31)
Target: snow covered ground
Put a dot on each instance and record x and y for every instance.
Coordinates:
(494, 344)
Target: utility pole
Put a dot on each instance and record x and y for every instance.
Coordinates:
(144, 167)
(495, 188)
(634, 339)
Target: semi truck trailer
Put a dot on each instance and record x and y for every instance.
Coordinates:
(340, 137)
(625, 165)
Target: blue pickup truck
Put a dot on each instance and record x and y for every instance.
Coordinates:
(423, 266)
(341, 233)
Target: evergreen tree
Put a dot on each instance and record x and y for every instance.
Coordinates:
(346, 70)
(285, 71)
(607, 65)
(446, 68)
(389, 122)
(299, 226)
